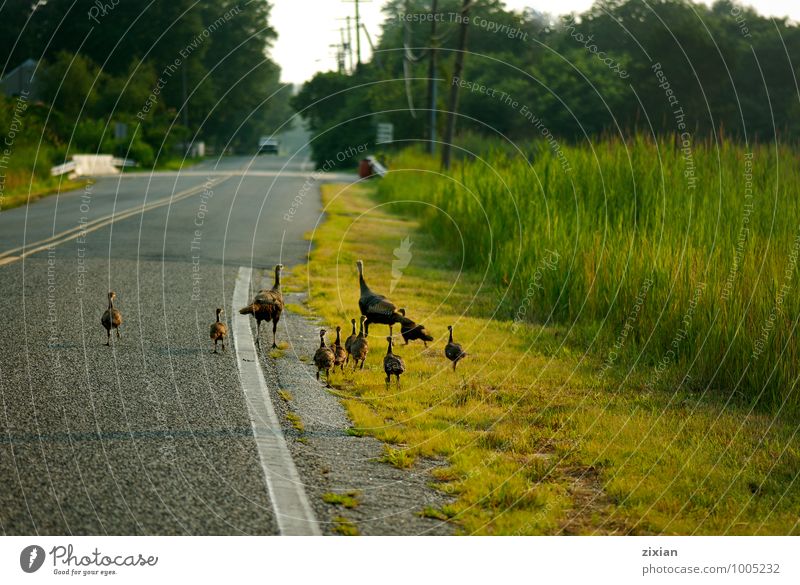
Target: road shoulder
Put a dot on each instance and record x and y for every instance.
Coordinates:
(350, 487)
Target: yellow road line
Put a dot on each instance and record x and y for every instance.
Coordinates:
(11, 256)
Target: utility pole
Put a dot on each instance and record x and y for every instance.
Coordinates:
(344, 50)
(339, 58)
(358, 31)
(458, 67)
(349, 45)
(358, 37)
(185, 112)
(375, 56)
(432, 83)
(407, 61)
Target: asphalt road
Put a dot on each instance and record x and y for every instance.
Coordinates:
(153, 435)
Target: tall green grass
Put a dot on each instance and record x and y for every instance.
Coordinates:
(652, 254)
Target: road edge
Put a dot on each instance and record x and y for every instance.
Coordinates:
(293, 511)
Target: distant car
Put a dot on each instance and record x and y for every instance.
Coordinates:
(268, 146)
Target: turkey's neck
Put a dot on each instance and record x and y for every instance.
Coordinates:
(361, 282)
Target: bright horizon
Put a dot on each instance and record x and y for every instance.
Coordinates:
(308, 52)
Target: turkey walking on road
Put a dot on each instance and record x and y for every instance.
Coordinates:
(376, 308)
(324, 358)
(267, 306)
(453, 351)
(218, 331)
(112, 318)
(393, 365)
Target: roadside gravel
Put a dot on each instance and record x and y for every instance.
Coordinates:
(330, 460)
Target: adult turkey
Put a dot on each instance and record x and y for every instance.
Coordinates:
(411, 330)
(267, 306)
(376, 308)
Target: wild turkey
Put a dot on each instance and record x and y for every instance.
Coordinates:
(376, 308)
(411, 331)
(453, 351)
(393, 365)
(324, 359)
(112, 318)
(267, 306)
(360, 347)
(339, 353)
(348, 343)
(218, 331)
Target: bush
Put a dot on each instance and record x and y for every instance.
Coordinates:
(137, 150)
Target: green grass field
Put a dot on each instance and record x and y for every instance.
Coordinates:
(541, 433)
(681, 257)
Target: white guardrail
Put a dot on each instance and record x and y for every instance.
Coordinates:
(63, 168)
(92, 164)
(123, 162)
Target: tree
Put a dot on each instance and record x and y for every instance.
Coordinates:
(71, 83)
(458, 66)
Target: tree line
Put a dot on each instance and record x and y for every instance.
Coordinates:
(664, 67)
(171, 72)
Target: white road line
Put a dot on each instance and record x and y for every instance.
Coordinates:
(286, 492)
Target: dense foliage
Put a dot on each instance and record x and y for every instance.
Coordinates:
(624, 66)
(173, 72)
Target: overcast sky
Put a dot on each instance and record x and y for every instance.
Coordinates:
(307, 28)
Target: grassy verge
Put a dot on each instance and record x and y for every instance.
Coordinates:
(21, 192)
(39, 189)
(535, 440)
